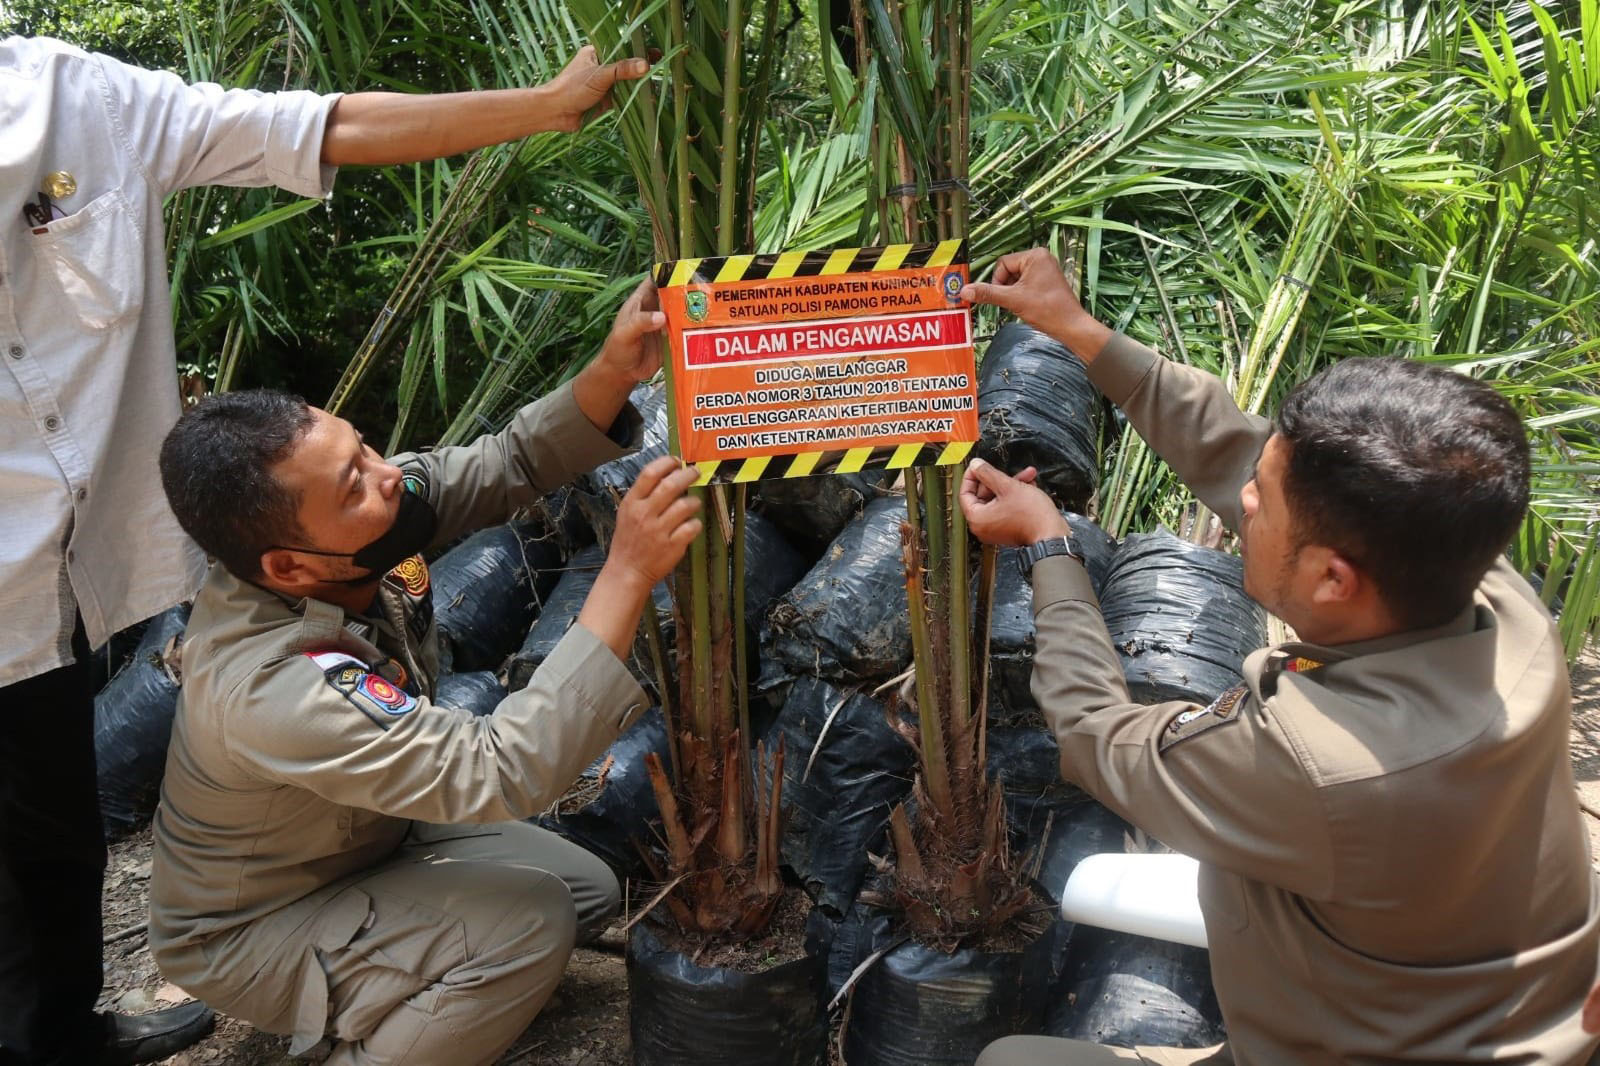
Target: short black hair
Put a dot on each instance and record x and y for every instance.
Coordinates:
(1415, 473)
(216, 468)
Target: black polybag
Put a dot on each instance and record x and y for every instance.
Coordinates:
(1127, 990)
(559, 611)
(917, 1006)
(1088, 828)
(604, 486)
(681, 1014)
(1027, 763)
(109, 658)
(1011, 630)
(812, 511)
(1119, 988)
(133, 726)
(479, 691)
(487, 590)
(616, 815)
(772, 566)
(845, 620)
(837, 803)
(1037, 408)
(1179, 617)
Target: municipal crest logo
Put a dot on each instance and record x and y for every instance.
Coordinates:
(953, 284)
(697, 305)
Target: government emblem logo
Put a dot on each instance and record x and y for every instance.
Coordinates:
(697, 305)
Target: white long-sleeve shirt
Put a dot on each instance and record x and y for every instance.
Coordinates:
(88, 387)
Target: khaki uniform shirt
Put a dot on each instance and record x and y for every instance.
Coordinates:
(1393, 866)
(306, 741)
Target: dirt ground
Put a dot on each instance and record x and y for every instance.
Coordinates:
(586, 1024)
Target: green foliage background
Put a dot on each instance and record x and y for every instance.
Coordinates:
(1257, 187)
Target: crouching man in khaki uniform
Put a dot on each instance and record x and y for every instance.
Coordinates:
(335, 854)
(1393, 866)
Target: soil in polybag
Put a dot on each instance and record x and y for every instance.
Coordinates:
(487, 591)
(133, 725)
(478, 692)
(844, 771)
(683, 1014)
(1179, 617)
(1127, 990)
(1011, 631)
(1037, 408)
(917, 1006)
(610, 808)
(1027, 763)
(604, 486)
(845, 620)
(812, 511)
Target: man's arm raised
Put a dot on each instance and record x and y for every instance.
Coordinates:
(1185, 414)
(379, 128)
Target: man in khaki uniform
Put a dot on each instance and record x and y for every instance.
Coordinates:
(335, 854)
(1393, 867)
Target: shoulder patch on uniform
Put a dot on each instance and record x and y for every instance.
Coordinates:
(1224, 709)
(415, 481)
(412, 574)
(379, 699)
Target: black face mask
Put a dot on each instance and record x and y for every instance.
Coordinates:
(413, 529)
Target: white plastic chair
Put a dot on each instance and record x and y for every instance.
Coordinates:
(1148, 895)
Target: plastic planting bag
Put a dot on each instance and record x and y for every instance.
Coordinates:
(1179, 616)
(920, 1007)
(812, 511)
(487, 591)
(1027, 763)
(1011, 632)
(844, 770)
(133, 725)
(106, 660)
(611, 808)
(846, 619)
(1037, 408)
(1118, 988)
(771, 567)
(604, 486)
(560, 610)
(1087, 828)
(478, 692)
(1127, 990)
(681, 1014)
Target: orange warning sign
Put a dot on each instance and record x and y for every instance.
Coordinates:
(834, 360)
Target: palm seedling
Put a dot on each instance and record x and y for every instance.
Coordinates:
(693, 141)
(953, 875)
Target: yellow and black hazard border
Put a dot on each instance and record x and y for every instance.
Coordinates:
(721, 270)
(733, 269)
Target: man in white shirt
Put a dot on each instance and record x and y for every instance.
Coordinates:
(92, 149)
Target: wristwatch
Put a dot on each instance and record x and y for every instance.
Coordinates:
(1027, 557)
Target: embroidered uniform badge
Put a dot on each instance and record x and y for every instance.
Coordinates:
(413, 576)
(378, 699)
(1222, 710)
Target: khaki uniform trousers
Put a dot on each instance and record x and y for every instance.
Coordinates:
(444, 953)
(1054, 1051)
